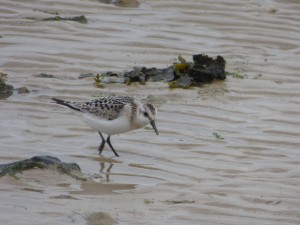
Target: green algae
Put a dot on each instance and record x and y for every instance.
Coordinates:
(218, 136)
(236, 75)
(98, 81)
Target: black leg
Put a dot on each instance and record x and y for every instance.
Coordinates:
(101, 147)
(112, 148)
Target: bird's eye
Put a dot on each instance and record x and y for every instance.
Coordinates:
(146, 114)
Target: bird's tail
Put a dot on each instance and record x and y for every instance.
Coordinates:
(65, 103)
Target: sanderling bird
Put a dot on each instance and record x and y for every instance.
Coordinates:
(113, 115)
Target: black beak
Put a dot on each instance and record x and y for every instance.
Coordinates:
(152, 122)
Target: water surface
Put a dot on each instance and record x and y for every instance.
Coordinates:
(186, 175)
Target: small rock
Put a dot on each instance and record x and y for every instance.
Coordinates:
(100, 218)
(64, 197)
(271, 9)
(23, 90)
(45, 75)
(41, 162)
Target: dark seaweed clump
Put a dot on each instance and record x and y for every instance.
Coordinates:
(203, 69)
(206, 69)
(6, 90)
(121, 3)
(80, 19)
(143, 74)
(45, 75)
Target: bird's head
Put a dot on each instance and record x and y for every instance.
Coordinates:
(147, 114)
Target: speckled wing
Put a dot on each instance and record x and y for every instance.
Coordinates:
(108, 108)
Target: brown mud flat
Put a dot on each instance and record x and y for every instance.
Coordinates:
(227, 152)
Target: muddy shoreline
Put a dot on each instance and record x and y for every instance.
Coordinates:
(227, 152)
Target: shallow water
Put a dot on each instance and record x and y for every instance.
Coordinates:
(186, 175)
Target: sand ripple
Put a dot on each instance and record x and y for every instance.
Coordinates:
(228, 152)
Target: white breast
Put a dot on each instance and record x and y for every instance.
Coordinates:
(116, 126)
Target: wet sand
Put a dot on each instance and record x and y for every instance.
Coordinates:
(186, 175)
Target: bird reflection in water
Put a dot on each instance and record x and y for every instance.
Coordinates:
(105, 171)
